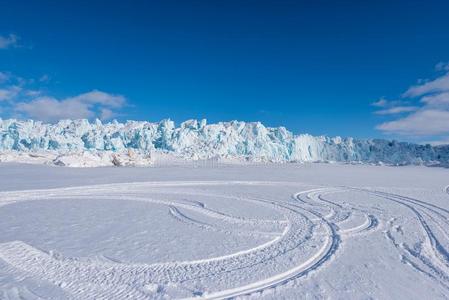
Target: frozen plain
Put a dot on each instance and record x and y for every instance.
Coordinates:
(278, 231)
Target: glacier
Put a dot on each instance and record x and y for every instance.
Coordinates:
(83, 143)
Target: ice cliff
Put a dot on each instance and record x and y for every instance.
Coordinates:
(84, 143)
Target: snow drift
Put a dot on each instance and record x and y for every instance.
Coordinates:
(84, 143)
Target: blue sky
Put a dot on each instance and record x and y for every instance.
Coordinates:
(313, 66)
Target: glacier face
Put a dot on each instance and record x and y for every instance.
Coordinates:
(195, 139)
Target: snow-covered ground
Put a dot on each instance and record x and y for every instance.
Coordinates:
(285, 231)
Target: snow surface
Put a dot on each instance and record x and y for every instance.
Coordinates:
(79, 143)
(276, 231)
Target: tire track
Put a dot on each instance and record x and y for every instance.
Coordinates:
(434, 256)
(298, 237)
(312, 227)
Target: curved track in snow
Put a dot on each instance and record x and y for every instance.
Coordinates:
(432, 257)
(305, 238)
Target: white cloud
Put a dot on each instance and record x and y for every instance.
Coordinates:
(441, 99)
(87, 105)
(50, 109)
(442, 66)
(12, 87)
(106, 113)
(441, 84)
(44, 78)
(9, 93)
(380, 103)
(396, 110)
(4, 77)
(8, 41)
(421, 123)
(98, 97)
(431, 118)
(32, 93)
(27, 98)
(8, 78)
(384, 103)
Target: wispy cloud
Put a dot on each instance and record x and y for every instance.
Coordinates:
(441, 99)
(425, 122)
(32, 93)
(44, 78)
(9, 41)
(9, 93)
(83, 106)
(396, 110)
(4, 77)
(429, 116)
(442, 66)
(380, 103)
(13, 86)
(23, 97)
(438, 85)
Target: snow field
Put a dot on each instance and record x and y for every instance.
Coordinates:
(219, 239)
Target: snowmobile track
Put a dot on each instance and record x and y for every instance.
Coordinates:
(305, 238)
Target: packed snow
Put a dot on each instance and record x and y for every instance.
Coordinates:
(80, 143)
(275, 231)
